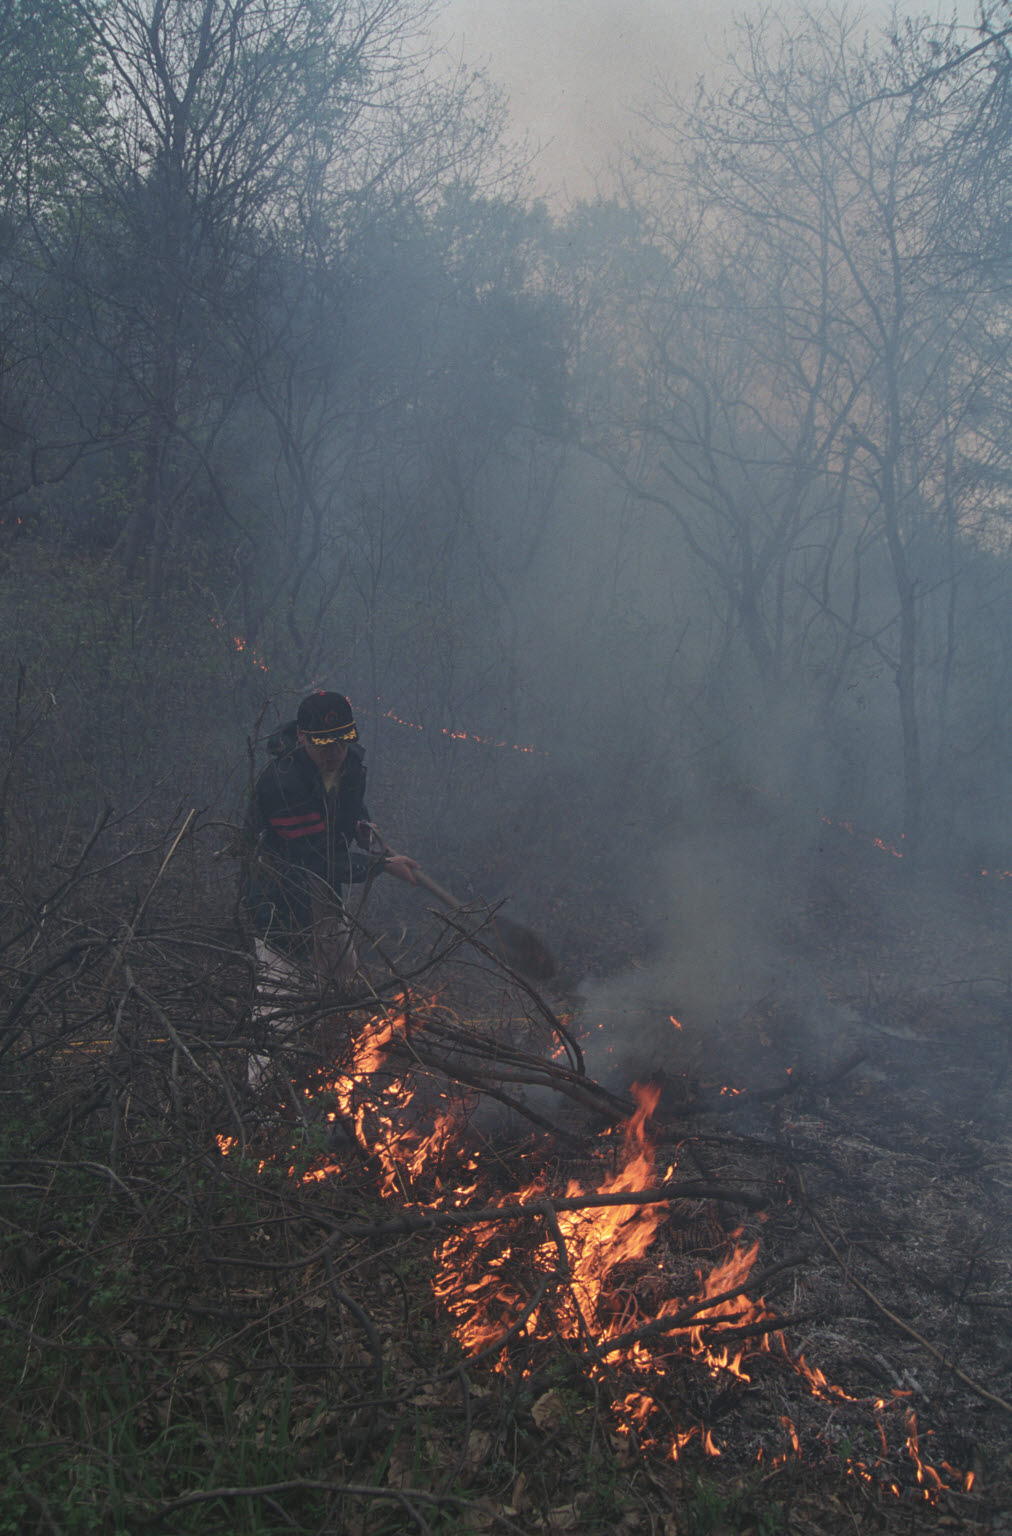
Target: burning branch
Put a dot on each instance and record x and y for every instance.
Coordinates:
(674, 1322)
(436, 1220)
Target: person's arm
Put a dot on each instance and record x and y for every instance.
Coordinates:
(401, 867)
(356, 867)
(397, 864)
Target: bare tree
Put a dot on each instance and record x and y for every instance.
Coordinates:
(811, 368)
(238, 121)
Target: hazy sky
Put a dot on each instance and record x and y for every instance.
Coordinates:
(573, 68)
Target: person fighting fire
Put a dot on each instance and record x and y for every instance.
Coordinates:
(308, 810)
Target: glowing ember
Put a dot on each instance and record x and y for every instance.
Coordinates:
(817, 1383)
(484, 741)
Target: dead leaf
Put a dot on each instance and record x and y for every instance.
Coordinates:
(549, 1411)
(479, 1444)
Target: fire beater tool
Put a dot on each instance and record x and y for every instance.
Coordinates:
(521, 948)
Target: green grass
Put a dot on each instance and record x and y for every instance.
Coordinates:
(129, 1372)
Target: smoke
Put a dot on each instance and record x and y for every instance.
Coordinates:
(576, 70)
(727, 894)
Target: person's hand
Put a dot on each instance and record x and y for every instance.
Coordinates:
(402, 868)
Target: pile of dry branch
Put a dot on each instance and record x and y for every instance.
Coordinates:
(436, 1277)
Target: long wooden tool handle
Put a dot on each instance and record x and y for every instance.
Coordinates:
(421, 878)
(439, 891)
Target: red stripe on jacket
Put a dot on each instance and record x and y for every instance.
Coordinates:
(298, 826)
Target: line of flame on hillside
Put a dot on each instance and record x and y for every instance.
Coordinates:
(242, 646)
(256, 660)
(502, 1288)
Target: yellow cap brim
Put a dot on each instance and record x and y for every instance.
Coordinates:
(346, 733)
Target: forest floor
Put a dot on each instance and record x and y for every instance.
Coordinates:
(388, 1301)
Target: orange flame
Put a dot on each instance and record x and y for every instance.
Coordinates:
(484, 1277)
(477, 1285)
(373, 1113)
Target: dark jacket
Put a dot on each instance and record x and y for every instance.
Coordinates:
(299, 835)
